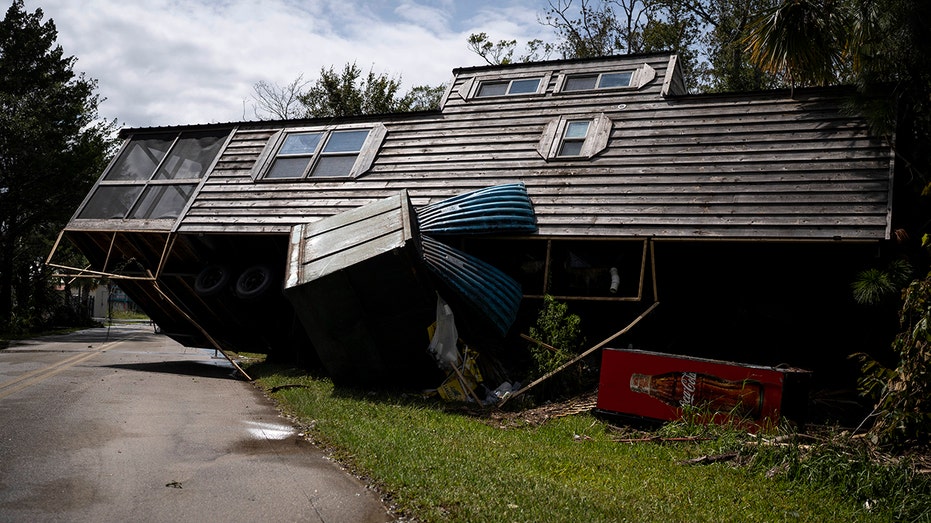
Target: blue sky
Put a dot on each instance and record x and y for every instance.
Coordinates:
(175, 62)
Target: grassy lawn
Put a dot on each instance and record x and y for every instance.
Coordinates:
(436, 462)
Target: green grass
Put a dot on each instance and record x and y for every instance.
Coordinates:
(128, 315)
(436, 463)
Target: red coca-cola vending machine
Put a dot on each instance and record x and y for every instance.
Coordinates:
(657, 386)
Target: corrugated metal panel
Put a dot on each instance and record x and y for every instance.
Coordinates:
(497, 209)
(484, 288)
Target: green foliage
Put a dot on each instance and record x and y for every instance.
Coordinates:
(561, 335)
(52, 148)
(827, 459)
(706, 35)
(802, 40)
(877, 482)
(903, 394)
(730, 67)
(674, 28)
(437, 465)
(340, 94)
(874, 286)
(349, 93)
(423, 98)
(502, 51)
(881, 46)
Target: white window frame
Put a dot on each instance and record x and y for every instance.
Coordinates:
(554, 136)
(363, 161)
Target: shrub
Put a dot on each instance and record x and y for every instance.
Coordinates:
(560, 334)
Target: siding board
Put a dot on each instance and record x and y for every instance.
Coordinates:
(741, 166)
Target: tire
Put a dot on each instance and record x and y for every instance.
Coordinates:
(212, 280)
(254, 282)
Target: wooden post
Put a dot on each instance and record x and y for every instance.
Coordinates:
(216, 345)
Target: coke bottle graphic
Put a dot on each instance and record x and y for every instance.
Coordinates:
(740, 398)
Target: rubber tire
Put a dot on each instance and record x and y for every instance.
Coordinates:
(254, 282)
(212, 280)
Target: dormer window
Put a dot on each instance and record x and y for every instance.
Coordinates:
(575, 138)
(508, 87)
(583, 82)
(499, 85)
(595, 80)
(336, 153)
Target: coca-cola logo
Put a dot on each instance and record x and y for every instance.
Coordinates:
(689, 380)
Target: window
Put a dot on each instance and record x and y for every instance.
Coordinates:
(579, 137)
(508, 87)
(323, 154)
(573, 138)
(597, 81)
(154, 176)
(497, 85)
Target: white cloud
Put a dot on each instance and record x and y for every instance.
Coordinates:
(175, 62)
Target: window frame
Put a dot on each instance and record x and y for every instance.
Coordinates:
(639, 77)
(508, 90)
(599, 77)
(554, 137)
(565, 138)
(364, 156)
(470, 89)
(149, 182)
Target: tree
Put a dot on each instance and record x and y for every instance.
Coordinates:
(424, 97)
(707, 34)
(882, 47)
(52, 148)
(584, 30)
(594, 29)
(675, 29)
(502, 51)
(727, 24)
(280, 102)
(342, 94)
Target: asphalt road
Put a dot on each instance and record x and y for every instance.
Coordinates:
(127, 425)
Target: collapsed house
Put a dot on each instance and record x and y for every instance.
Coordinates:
(746, 215)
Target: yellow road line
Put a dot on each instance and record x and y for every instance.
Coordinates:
(37, 376)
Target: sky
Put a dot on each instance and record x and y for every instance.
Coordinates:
(178, 62)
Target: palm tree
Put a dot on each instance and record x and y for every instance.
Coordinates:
(881, 46)
(807, 41)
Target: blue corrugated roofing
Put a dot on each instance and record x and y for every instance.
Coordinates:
(485, 288)
(496, 209)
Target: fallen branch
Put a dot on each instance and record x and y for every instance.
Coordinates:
(659, 439)
(705, 460)
(578, 358)
(540, 343)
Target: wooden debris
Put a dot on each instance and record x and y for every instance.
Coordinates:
(659, 439)
(706, 460)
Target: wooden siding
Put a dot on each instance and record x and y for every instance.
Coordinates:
(742, 166)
